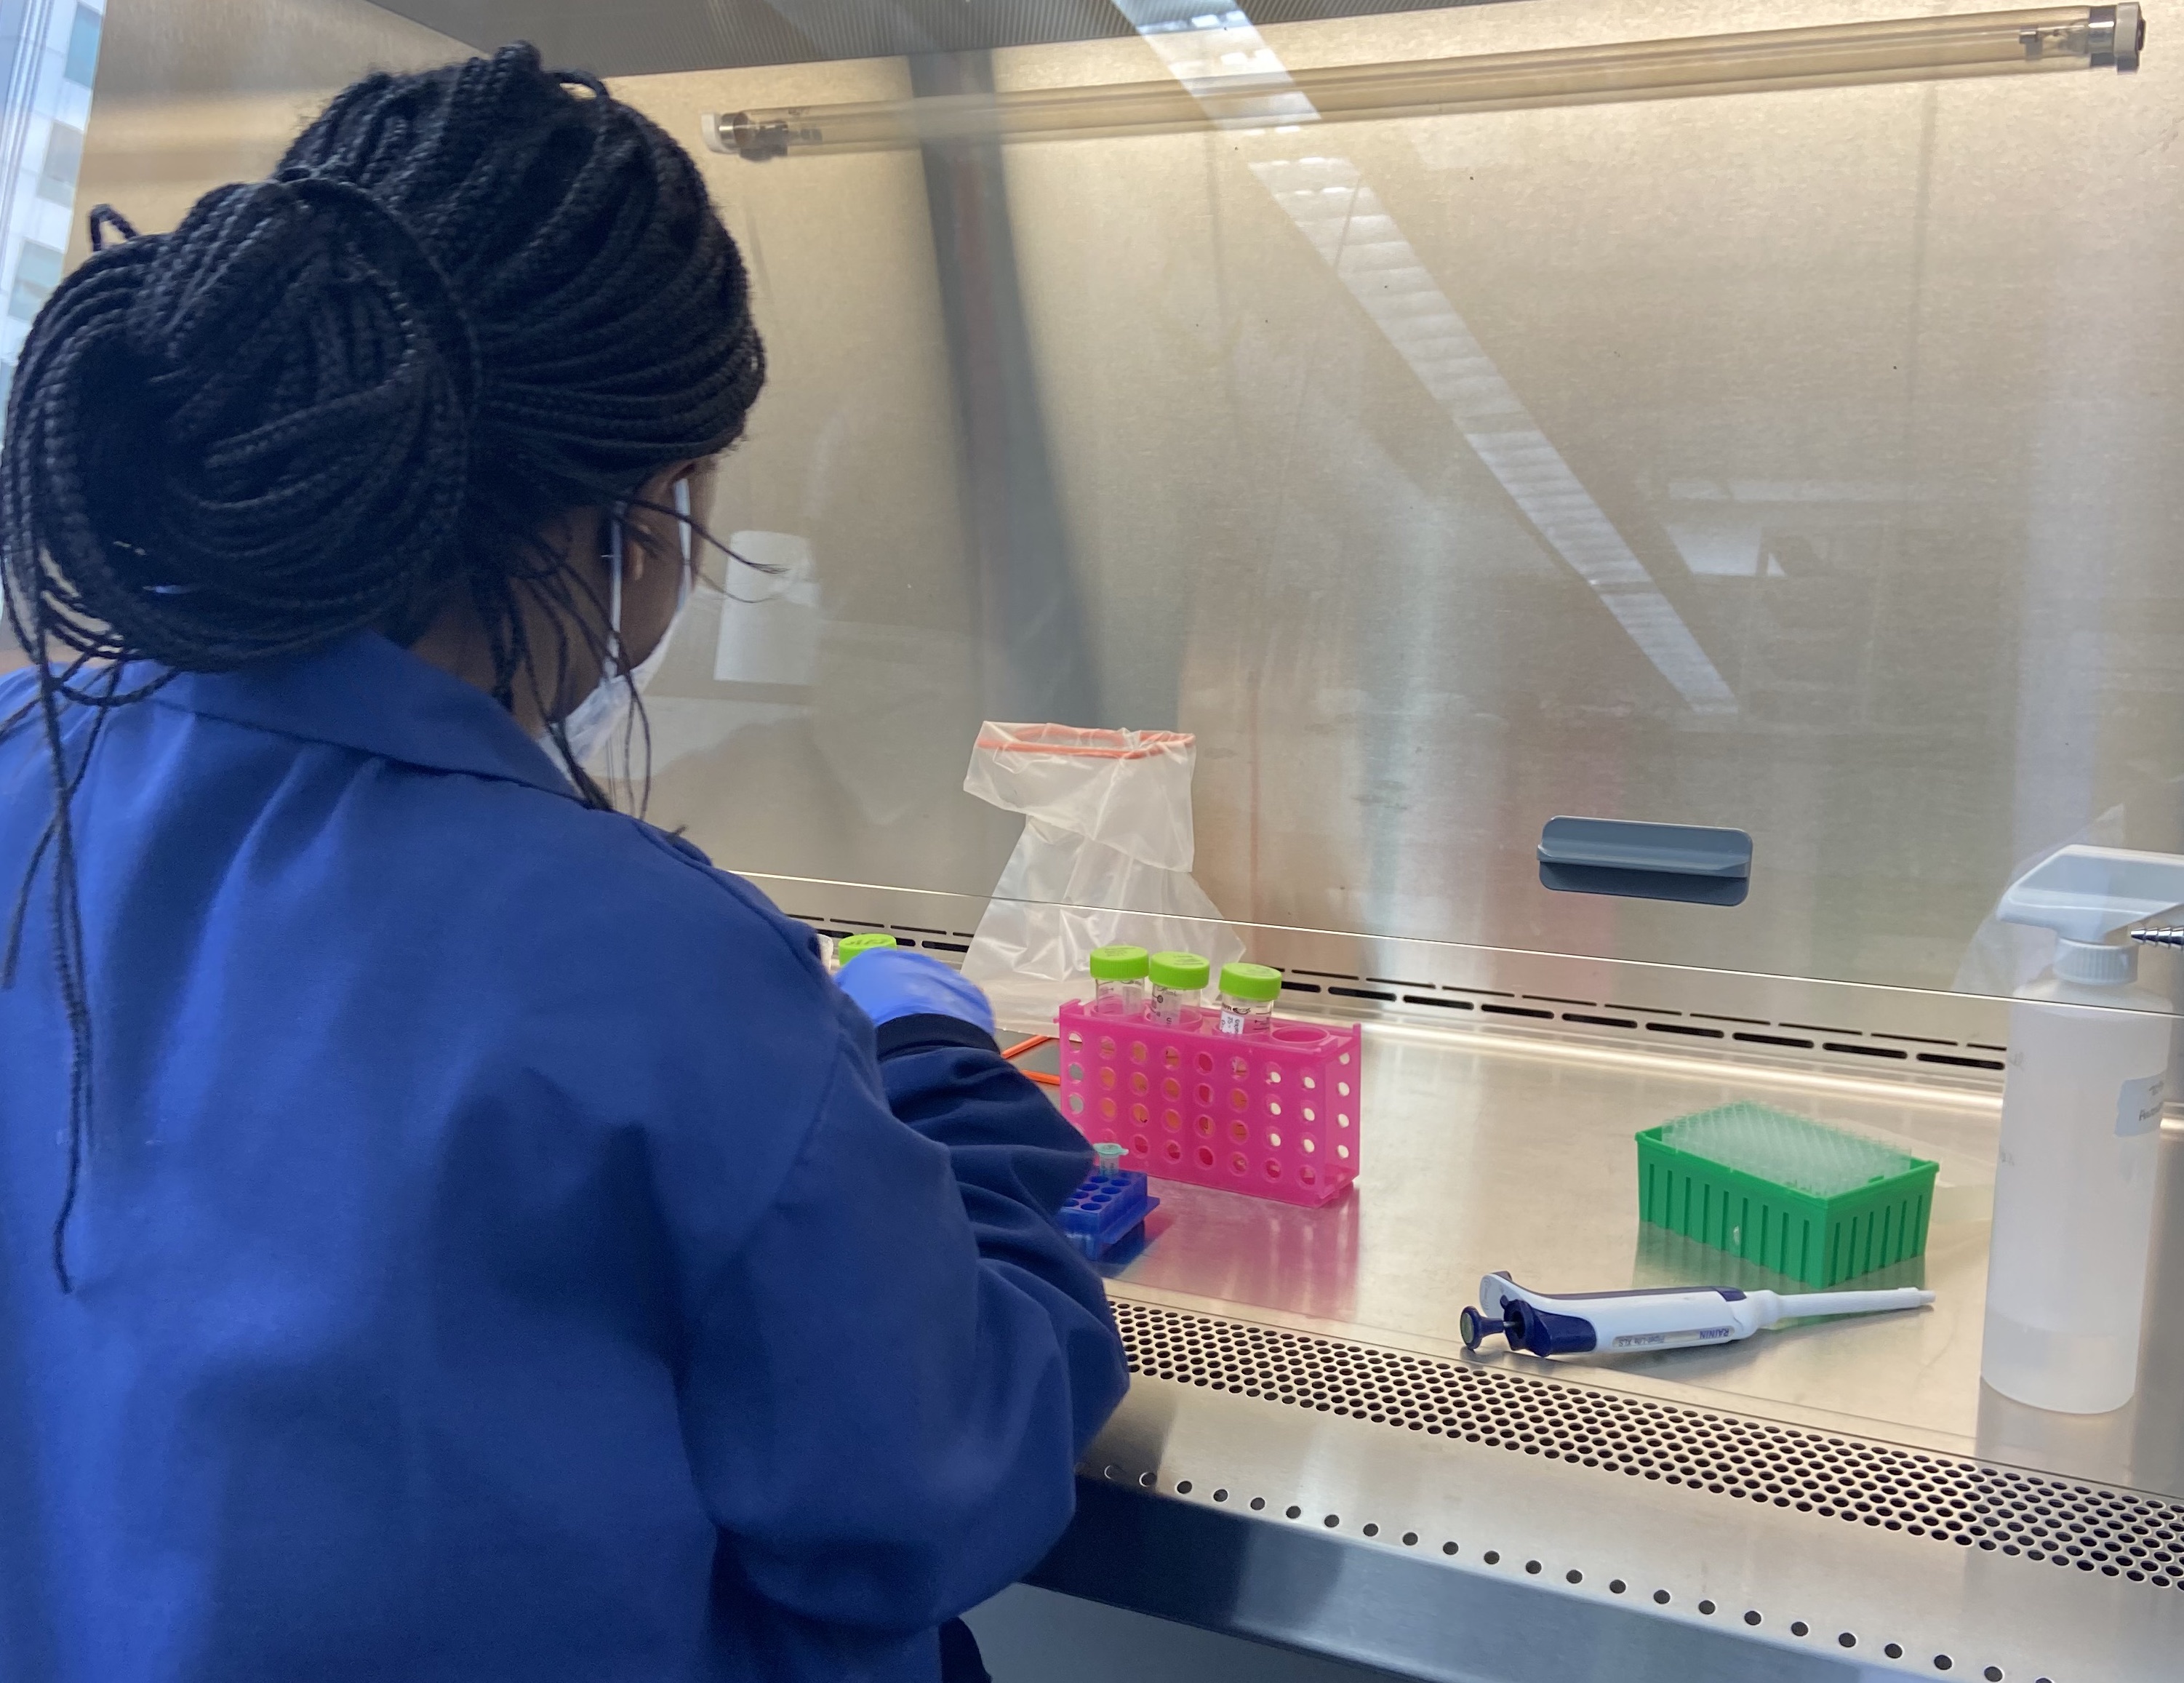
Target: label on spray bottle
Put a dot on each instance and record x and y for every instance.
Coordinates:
(2138, 1107)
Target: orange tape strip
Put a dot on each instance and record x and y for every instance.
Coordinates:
(1064, 739)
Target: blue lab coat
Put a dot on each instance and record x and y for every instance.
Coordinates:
(503, 1253)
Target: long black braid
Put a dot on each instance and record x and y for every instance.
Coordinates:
(350, 396)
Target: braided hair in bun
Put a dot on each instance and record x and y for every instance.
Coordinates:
(351, 396)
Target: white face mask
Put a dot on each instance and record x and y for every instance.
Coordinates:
(601, 717)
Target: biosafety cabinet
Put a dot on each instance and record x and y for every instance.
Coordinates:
(1759, 417)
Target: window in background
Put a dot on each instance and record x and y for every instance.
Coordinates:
(83, 45)
(64, 159)
(48, 56)
(37, 272)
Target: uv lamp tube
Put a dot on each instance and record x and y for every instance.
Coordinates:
(1631, 1322)
(1836, 55)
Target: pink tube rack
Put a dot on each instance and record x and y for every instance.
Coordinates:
(1273, 1114)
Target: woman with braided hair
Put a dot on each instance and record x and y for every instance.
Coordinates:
(448, 1230)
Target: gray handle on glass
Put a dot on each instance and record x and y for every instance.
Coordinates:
(1694, 863)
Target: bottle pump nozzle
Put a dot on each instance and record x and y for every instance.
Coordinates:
(2088, 896)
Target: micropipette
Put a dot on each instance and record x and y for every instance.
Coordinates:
(1660, 1318)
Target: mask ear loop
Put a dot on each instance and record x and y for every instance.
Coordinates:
(616, 664)
(683, 531)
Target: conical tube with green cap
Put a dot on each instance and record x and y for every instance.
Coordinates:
(1247, 996)
(849, 946)
(1179, 980)
(1119, 980)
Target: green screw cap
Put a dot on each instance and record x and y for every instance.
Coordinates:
(1118, 964)
(1254, 981)
(856, 946)
(1185, 971)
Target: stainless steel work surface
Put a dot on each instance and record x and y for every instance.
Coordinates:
(1480, 1153)
(1308, 1455)
(1483, 1152)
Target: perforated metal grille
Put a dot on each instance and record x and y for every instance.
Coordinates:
(1967, 1503)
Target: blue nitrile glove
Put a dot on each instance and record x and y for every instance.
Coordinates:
(887, 983)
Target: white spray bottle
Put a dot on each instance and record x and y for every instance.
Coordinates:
(2081, 1128)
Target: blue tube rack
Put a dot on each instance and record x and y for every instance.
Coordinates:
(1107, 1210)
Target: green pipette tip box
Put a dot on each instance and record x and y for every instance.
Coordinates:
(1803, 1199)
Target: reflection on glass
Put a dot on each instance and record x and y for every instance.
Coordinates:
(1772, 463)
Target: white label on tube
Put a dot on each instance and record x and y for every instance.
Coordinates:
(2138, 1108)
